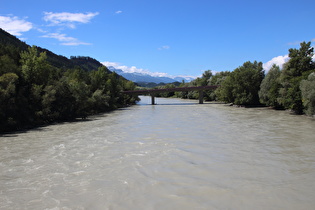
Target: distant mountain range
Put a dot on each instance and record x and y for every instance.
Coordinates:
(146, 78)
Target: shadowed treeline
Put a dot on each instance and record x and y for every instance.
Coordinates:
(39, 87)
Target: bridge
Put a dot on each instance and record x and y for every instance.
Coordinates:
(153, 92)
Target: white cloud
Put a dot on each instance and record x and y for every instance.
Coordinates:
(165, 47)
(68, 19)
(65, 40)
(15, 25)
(118, 12)
(108, 63)
(134, 69)
(279, 60)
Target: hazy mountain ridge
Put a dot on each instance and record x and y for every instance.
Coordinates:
(143, 77)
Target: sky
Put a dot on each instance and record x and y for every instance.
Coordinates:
(164, 37)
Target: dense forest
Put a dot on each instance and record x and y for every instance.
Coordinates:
(39, 87)
(291, 88)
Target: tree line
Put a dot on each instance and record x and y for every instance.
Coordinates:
(292, 87)
(34, 91)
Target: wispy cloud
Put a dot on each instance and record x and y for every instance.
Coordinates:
(294, 43)
(68, 19)
(65, 40)
(165, 47)
(299, 42)
(14, 25)
(118, 12)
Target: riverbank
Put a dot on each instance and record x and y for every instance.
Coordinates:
(27, 127)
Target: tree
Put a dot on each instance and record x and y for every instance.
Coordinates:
(269, 88)
(8, 103)
(225, 91)
(81, 92)
(59, 100)
(113, 89)
(297, 68)
(166, 94)
(205, 80)
(35, 68)
(308, 94)
(242, 85)
(100, 101)
(206, 76)
(98, 78)
(7, 65)
(217, 79)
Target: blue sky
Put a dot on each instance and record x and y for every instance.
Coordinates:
(174, 37)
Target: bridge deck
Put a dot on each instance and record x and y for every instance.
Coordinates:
(180, 89)
(152, 92)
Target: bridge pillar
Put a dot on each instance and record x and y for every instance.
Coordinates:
(152, 99)
(200, 97)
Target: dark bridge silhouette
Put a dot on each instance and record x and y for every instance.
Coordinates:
(153, 92)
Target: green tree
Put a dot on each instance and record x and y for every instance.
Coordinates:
(59, 100)
(182, 94)
(217, 79)
(98, 79)
(35, 103)
(205, 79)
(81, 92)
(308, 94)
(35, 68)
(225, 91)
(8, 101)
(100, 101)
(242, 85)
(269, 88)
(49, 113)
(113, 89)
(297, 68)
(167, 94)
(7, 65)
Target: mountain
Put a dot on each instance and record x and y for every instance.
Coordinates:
(83, 62)
(185, 79)
(9, 42)
(147, 78)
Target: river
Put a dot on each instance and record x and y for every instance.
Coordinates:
(175, 155)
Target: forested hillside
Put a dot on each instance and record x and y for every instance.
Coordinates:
(39, 87)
